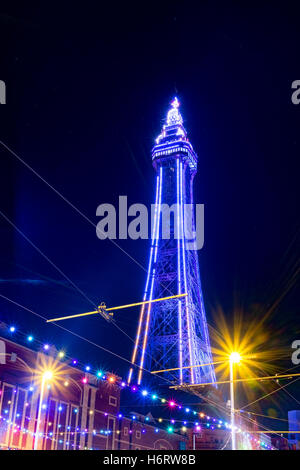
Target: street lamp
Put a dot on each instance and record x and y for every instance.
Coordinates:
(47, 375)
(234, 358)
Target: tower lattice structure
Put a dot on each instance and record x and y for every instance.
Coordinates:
(173, 333)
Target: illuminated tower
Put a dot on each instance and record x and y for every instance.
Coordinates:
(173, 333)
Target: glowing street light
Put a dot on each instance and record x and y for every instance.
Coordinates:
(234, 358)
(47, 375)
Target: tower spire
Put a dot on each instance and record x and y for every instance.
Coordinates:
(174, 117)
(173, 128)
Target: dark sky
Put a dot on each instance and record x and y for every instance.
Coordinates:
(88, 87)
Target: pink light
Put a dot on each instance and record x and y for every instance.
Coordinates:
(172, 404)
(84, 380)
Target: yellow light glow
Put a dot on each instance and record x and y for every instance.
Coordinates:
(61, 354)
(235, 357)
(48, 375)
(183, 429)
(251, 334)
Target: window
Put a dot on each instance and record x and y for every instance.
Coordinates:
(112, 400)
(138, 434)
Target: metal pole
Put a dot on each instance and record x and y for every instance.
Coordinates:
(233, 444)
(37, 432)
(194, 441)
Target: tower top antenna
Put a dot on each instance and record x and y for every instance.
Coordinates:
(174, 117)
(175, 103)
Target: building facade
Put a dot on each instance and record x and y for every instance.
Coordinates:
(78, 410)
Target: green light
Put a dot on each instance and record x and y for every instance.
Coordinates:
(170, 429)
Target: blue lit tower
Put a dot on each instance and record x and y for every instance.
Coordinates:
(173, 333)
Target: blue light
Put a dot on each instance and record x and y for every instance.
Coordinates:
(144, 393)
(154, 397)
(46, 347)
(153, 238)
(30, 338)
(87, 368)
(99, 373)
(12, 329)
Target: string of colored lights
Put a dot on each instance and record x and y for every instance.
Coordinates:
(216, 423)
(61, 272)
(223, 409)
(56, 436)
(50, 436)
(112, 378)
(75, 334)
(99, 374)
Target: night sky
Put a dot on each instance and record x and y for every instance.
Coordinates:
(88, 87)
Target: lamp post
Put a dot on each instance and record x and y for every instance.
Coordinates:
(233, 359)
(47, 375)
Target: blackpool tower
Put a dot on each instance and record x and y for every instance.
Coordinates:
(173, 334)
